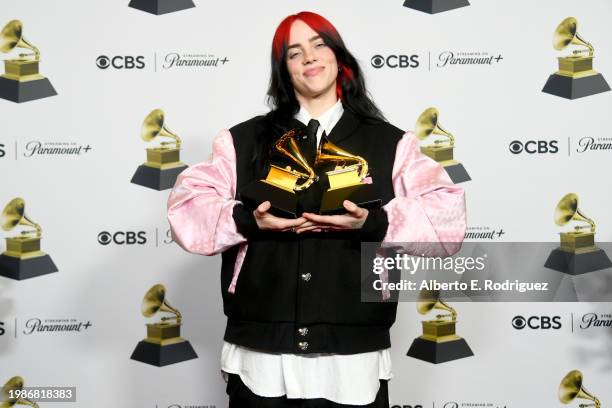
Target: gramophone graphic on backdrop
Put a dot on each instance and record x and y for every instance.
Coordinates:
(23, 258)
(439, 342)
(9, 392)
(442, 150)
(21, 81)
(571, 388)
(575, 77)
(577, 253)
(163, 344)
(163, 163)
(161, 6)
(435, 6)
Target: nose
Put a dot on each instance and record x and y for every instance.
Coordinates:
(309, 56)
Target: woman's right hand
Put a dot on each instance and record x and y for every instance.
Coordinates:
(269, 222)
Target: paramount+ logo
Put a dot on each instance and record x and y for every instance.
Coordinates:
(122, 238)
(537, 322)
(534, 146)
(121, 62)
(395, 61)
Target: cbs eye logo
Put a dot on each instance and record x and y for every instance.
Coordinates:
(122, 238)
(536, 322)
(120, 62)
(395, 61)
(533, 146)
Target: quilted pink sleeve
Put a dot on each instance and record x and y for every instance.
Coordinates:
(427, 207)
(201, 203)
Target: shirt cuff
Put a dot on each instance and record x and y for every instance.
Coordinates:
(245, 221)
(375, 226)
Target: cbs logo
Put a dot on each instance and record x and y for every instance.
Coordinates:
(537, 322)
(120, 62)
(122, 238)
(395, 61)
(533, 146)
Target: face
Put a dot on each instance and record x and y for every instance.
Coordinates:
(311, 63)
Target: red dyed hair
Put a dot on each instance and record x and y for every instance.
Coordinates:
(321, 26)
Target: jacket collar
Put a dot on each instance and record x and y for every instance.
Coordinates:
(344, 128)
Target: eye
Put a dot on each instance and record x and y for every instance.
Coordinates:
(319, 45)
(292, 54)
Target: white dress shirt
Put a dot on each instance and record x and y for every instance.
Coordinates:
(344, 379)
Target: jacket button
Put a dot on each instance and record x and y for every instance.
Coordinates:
(303, 331)
(303, 345)
(306, 276)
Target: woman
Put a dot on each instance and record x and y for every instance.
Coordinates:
(297, 333)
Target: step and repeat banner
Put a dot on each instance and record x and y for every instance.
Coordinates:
(103, 103)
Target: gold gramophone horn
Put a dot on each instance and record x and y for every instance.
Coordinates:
(429, 300)
(567, 210)
(329, 152)
(155, 301)
(286, 146)
(427, 124)
(15, 384)
(14, 214)
(571, 388)
(567, 33)
(154, 126)
(12, 37)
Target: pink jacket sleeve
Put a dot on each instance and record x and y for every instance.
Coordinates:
(201, 203)
(427, 207)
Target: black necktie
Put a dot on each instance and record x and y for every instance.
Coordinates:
(310, 145)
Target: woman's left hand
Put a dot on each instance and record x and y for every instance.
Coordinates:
(353, 219)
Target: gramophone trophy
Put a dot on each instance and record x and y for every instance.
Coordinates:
(575, 77)
(435, 6)
(163, 163)
(23, 258)
(161, 6)
(282, 182)
(21, 81)
(13, 386)
(439, 343)
(442, 150)
(345, 180)
(163, 344)
(571, 388)
(577, 253)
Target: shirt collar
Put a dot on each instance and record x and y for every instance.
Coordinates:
(327, 120)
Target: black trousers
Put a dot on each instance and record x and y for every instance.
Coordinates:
(240, 396)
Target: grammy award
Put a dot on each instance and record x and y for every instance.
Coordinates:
(163, 344)
(575, 77)
(282, 182)
(345, 180)
(161, 6)
(21, 81)
(14, 385)
(435, 6)
(577, 253)
(571, 388)
(23, 258)
(439, 343)
(442, 150)
(163, 164)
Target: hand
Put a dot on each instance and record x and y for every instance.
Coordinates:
(267, 221)
(353, 219)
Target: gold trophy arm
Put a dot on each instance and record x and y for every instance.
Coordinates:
(443, 306)
(154, 125)
(286, 146)
(176, 142)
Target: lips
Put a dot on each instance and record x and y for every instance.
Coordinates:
(312, 71)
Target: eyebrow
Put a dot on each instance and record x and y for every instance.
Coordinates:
(316, 37)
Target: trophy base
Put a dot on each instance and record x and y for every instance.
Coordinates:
(577, 264)
(456, 172)
(20, 269)
(573, 88)
(442, 352)
(283, 203)
(161, 6)
(158, 355)
(363, 195)
(435, 6)
(157, 179)
(23, 91)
